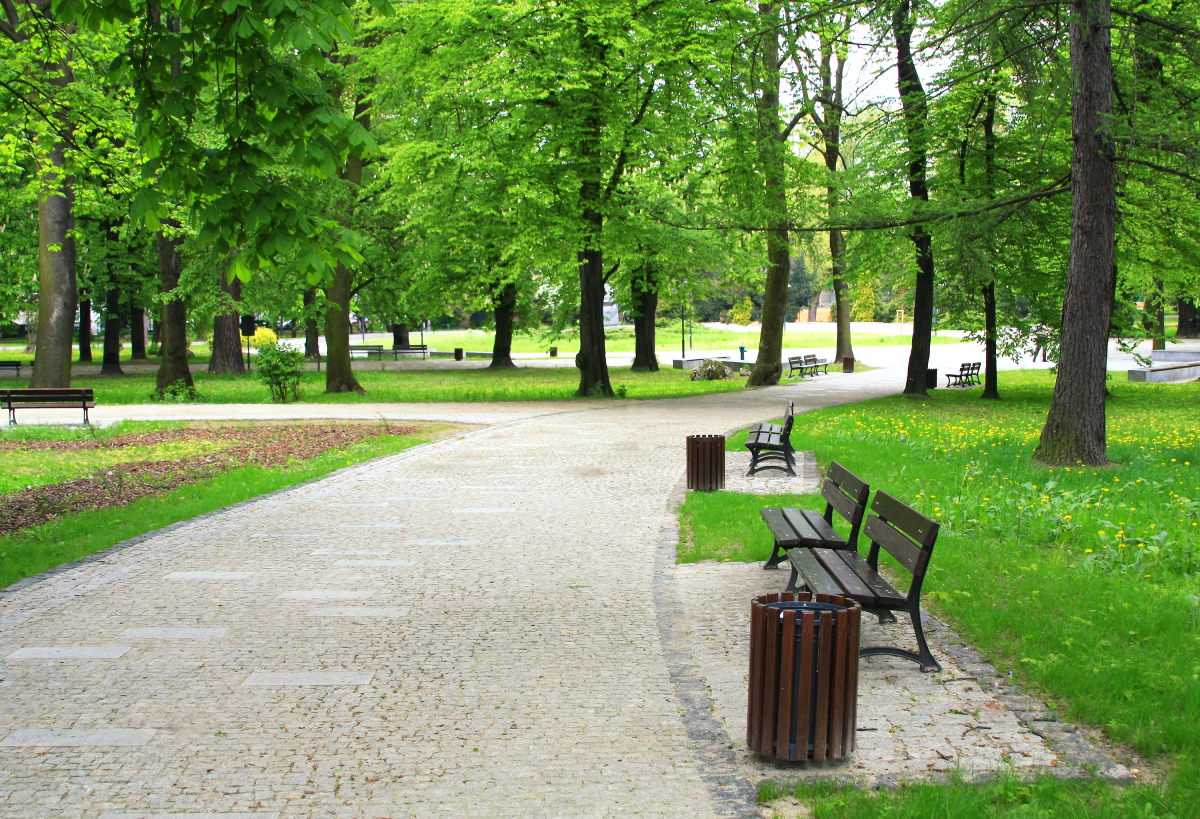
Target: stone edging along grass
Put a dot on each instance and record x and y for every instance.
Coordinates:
(133, 541)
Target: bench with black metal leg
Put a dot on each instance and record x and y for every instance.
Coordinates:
(844, 493)
(47, 398)
(770, 445)
(906, 535)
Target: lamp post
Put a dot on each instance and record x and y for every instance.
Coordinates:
(247, 323)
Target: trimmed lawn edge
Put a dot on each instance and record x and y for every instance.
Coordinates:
(304, 480)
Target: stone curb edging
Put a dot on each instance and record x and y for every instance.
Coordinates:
(26, 582)
(732, 795)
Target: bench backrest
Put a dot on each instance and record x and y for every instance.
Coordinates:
(366, 346)
(795, 359)
(846, 493)
(964, 368)
(975, 367)
(45, 394)
(902, 532)
(788, 417)
(12, 363)
(810, 359)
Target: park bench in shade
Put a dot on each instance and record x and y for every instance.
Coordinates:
(15, 366)
(366, 351)
(770, 445)
(410, 348)
(47, 398)
(807, 365)
(967, 375)
(844, 492)
(906, 535)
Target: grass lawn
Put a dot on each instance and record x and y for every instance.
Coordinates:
(521, 384)
(33, 550)
(1085, 583)
(620, 340)
(15, 352)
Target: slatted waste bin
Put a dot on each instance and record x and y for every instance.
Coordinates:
(706, 462)
(803, 676)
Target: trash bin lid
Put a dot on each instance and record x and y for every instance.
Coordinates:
(802, 605)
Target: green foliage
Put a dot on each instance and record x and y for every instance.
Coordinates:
(177, 393)
(742, 313)
(279, 368)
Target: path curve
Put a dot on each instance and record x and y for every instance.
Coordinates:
(466, 628)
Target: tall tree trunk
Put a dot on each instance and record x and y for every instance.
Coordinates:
(227, 336)
(506, 308)
(339, 376)
(1187, 319)
(771, 147)
(312, 334)
(914, 103)
(1075, 426)
(991, 378)
(137, 333)
(173, 364)
(991, 381)
(85, 331)
(645, 307)
(592, 357)
(57, 286)
(400, 337)
(113, 325)
(1159, 314)
(837, 250)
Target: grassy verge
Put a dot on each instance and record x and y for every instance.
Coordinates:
(522, 384)
(31, 551)
(727, 526)
(1085, 583)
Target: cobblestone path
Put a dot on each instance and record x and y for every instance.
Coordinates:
(466, 629)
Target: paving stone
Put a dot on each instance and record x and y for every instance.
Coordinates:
(68, 653)
(324, 594)
(310, 678)
(360, 611)
(208, 575)
(173, 633)
(77, 737)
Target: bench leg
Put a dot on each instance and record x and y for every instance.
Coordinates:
(791, 586)
(924, 658)
(778, 555)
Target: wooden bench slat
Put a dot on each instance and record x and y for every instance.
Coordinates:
(909, 555)
(850, 583)
(908, 520)
(849, 482)
(838, 500)
(783, 534)
(829, 538)
(808, 536)
(886, 595)
(815, 577)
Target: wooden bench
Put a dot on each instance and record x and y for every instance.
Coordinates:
(807, 365)
(844, 492)
(15, 366)
(411, 348)
(367, 350)
(967, 375)
(772, 444)
(49, 398)
(905, 534)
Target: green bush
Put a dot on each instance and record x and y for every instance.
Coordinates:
(279, 368)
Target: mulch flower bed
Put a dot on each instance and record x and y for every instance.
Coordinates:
(234, 446)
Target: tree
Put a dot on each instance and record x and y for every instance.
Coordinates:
(1075, 426)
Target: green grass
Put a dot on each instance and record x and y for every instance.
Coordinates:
(17, 353)
(69, 538)
(522, 384)
(621, 340)
(727, 526)
(1085, 583)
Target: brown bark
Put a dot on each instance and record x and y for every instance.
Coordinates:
(506, 308)
(771, 147)
(645, 306)
(57, 285)
(1187, 319)
(137, 333)
(915, 106)
(1075, 426)
(227, 336)
(312, 334)
(85, 331)
(400, 337)
(991, 378)
(339, 376)
(173, 365)
(113, 325)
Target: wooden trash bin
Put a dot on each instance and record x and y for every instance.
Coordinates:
(706, 462)
(803, 676)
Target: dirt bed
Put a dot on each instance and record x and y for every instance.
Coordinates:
(264, 445)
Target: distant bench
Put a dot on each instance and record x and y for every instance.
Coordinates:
(967, 375)
(48, 398)
(377, 351)
(807, 365)
(15, 366)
